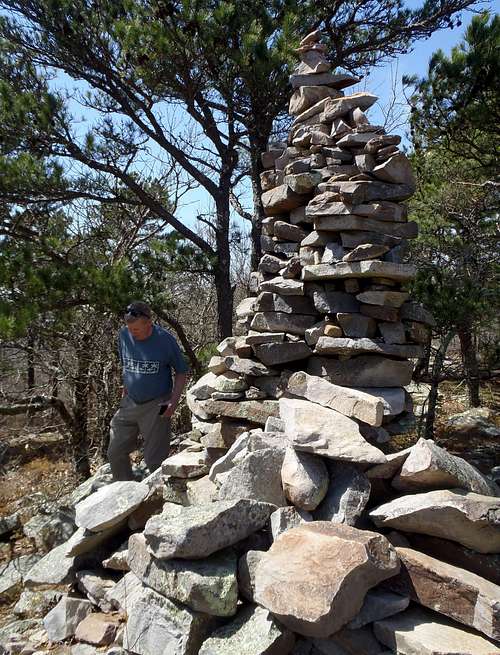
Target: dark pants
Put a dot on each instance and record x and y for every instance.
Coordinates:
(133, 419)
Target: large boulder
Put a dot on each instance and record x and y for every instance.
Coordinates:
(475, 422)
(110, 505)
(323, 431)
(449, 590)
(201, 530)
(206, 585)
(471, 519)
(314, 577)
(430, 467)
(253, 632)
(154, 623)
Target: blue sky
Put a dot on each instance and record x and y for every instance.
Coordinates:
(384, 81)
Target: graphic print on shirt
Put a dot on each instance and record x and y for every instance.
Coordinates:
(139, 366)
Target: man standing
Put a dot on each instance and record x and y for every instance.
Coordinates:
(148, 353)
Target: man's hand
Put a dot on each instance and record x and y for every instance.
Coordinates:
(170, 408)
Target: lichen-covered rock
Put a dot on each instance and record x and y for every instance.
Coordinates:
(155, 622)
(207, 585)
(253, 632)
(201, 530)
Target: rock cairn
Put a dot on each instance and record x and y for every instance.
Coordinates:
(281, 527)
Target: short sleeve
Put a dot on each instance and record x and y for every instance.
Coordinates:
(177, 359)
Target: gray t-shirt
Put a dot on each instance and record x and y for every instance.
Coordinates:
(147, 364)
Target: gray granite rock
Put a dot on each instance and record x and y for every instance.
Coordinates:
(62, 621)
(349, 402)
(13, 573)
(430, 467)
(253, 632)
(154, 621)
(256, 477)
(206, 585)
(36, 604)
(124, 594)
(378, 604)
(347, 495)
(204, 529)
(304, 478)
(323, 431)
(110, 505)
(421, 632)
(285, 518)
(471, 519)
(95, 585)
(362, 371)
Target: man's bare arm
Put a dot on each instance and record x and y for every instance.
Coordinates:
(179, 384)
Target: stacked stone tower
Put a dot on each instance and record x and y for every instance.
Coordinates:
(328, 303)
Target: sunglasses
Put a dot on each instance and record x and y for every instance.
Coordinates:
(132, 311)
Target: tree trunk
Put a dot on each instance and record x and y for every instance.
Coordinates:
(30, 368)
(222, 271)
(80, 432)
(470, 364)
(258, 143)
(435, 375)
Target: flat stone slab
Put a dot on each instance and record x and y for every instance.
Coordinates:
(352, 222)
(385, 298)
(344, 346)
(430, 467)
(314, 577)
(273, 302)
(362, 371)
(187, 464)
(374, 268)
(284, 287)
(359, 192)
(378, 604)
(273, 354)
(207, 585)
(204, 529)
(447, 589)
(353, 403)
(253, 632)
(280, 200)
(323, 431)
(282, 322)
(250, 410)
(471, 519)
(109, 505)
(124, 594)
(421, 632)
(155, 622)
